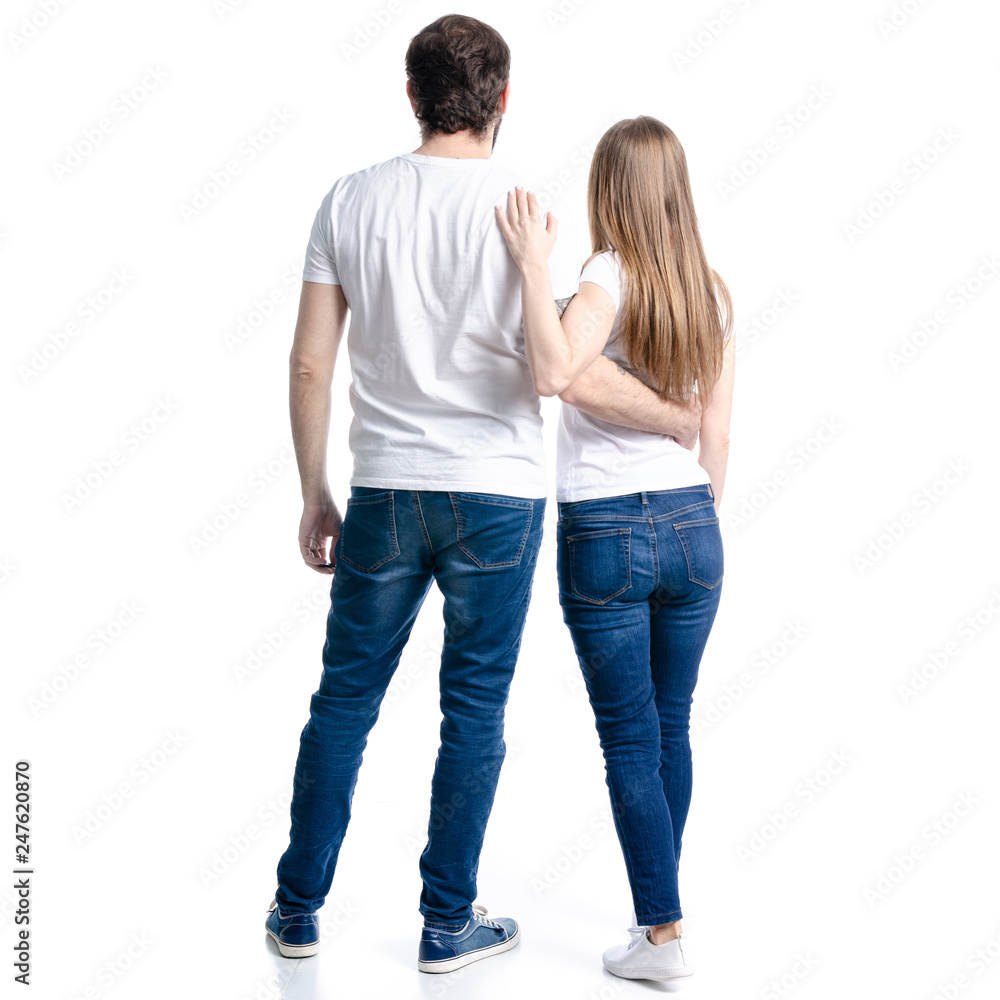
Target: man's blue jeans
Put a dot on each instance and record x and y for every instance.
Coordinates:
(481, 549)
(639, 581)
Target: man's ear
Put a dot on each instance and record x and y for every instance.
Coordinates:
(409, 94)
(504, 97)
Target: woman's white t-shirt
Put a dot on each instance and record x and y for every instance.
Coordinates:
(597, 459)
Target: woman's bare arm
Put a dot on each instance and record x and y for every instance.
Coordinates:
(713, 437)
(559, 346)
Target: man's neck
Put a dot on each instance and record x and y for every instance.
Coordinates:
(458, 146)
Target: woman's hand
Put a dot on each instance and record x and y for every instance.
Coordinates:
(530, 236)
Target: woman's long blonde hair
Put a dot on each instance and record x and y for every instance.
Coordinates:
(639, 205)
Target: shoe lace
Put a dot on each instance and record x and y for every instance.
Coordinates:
(638, 933)
(480, 915)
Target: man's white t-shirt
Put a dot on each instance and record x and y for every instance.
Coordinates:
(441, 390)
(597, 459)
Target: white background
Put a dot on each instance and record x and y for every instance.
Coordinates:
(857, 516)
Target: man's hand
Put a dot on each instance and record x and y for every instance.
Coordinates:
(688, 425)
(318, 529)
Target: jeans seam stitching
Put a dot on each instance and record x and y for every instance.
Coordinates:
(670, 914)
(603, 517)
(420, 519)
(495, 503)
(656, 558)
(682, 510)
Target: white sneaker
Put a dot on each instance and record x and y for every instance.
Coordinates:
(641, 959)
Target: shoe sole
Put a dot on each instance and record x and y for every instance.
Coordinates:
(293, 950)
(659, 975)
(460, 961)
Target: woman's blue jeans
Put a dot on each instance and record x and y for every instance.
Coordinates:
(481, 549)
(639, 583)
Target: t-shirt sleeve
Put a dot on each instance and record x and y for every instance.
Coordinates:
(604, 270)
(319, 263)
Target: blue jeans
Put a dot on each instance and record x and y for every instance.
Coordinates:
(639, 582)
(481, 549)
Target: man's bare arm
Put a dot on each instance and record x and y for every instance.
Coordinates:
(318, 332)
(606, 391)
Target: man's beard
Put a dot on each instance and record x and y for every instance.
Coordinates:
(496, 130)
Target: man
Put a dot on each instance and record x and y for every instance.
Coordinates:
(449, 479)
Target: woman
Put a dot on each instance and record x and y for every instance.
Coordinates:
(640, 551)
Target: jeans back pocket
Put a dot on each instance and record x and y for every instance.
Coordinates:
(492, 529)
(702, 544)
(368, 533)
(600, 566)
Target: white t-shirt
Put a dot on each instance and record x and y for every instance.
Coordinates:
(441, 390)
(597, 459)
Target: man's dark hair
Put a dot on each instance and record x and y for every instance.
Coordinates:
(458, 67)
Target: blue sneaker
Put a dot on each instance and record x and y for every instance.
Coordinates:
(445, 951)
(295, 934)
